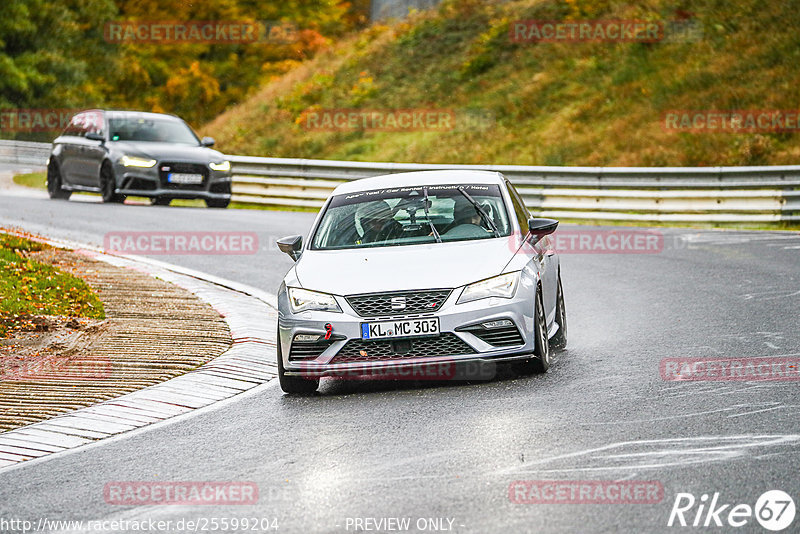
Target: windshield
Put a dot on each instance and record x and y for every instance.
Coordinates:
(393, 217)
(151, 130)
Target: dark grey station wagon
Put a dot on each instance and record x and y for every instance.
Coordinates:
(127, 153)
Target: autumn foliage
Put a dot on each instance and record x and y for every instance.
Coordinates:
(55, 54)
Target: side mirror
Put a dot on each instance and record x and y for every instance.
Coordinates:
(291, 245)
(542, 227)
(207, 141)
(94, 136)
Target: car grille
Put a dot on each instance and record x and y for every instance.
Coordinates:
(500, 337)
(188, 168)
(357, 350)
(380, 304)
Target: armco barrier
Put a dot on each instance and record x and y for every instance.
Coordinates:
(752, 195)
(24, 152)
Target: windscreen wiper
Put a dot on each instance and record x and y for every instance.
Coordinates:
(480, 210)
(428, 216)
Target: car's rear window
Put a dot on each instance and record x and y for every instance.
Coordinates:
(396, 216)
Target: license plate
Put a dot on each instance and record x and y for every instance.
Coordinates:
(184, 178)
(402, 328)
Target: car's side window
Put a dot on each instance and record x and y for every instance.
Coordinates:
(83, 123)
(74, 128)
(519, 208)
(93, 122)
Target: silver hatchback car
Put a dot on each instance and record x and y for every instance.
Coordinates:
(415, 271)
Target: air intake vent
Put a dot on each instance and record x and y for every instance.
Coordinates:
(447, 344)
(502, 336)
(308, 350)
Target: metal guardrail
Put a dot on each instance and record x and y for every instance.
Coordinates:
(643, 194)
(753, 195)
(24, 152)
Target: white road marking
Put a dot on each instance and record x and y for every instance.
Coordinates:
(672, 452)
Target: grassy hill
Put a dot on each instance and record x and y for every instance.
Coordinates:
(545, 103)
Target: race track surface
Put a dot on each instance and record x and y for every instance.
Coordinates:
(377, 450)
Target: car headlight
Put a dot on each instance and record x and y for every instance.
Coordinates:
(503, 286)
(303, 300)
(225, 166)
(130, 161)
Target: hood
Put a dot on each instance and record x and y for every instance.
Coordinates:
(169, 151)
(372, 270)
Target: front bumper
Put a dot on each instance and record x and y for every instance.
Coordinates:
(455, 321)
(152, 182)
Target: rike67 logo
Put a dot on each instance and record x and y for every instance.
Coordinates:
(774, 510)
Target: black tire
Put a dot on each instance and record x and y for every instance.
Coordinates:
(540, 363)
(108, 185)
(55, 187)
(559, 341)
(294, 385)
(217, 203)
(160, 201)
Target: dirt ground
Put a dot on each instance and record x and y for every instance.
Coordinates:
(47, 342)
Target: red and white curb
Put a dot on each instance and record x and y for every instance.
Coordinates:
(251, 361)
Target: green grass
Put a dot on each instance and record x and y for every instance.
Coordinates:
(185, 203)
(553, 103)
(33, 179)
(29, 288)
(253, 206)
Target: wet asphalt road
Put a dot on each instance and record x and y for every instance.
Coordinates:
(379, 450)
